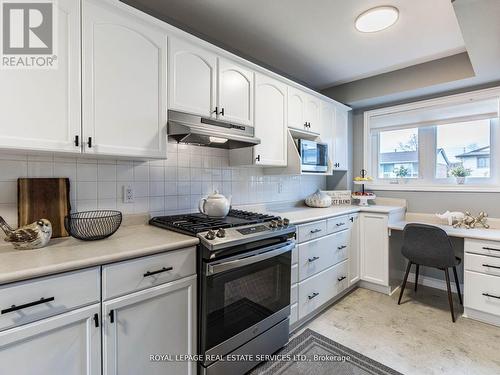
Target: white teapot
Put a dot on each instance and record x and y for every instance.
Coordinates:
(215, 205)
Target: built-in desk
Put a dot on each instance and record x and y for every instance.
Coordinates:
(481, 266)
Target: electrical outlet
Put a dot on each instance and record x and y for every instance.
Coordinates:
(280, 187)
(128, 194)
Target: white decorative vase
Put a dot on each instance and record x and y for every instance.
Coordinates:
(460, 180)
(319, 199)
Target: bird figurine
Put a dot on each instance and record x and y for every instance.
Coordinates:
(31, 236)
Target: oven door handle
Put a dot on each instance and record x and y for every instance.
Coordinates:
(213, 269)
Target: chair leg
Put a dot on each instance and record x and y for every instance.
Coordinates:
(458, 285)
(403, 286)
(450, 298)
(416, 276)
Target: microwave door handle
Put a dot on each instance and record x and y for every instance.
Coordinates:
(213, 269)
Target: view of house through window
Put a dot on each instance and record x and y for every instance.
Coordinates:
(398, 154)
(464, 145)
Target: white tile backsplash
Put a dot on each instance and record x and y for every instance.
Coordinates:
(166, 187)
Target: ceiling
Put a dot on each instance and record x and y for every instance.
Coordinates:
(315, 42)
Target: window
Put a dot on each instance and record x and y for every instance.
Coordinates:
(398, 154)
(424, 145)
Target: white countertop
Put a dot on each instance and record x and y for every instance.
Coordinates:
(304, 214)
(474, 233)
(66, 254)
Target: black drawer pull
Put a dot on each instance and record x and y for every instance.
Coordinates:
(164, 269)
(312, 259)
(491, 295)
(96, 320)
(341, 247)
(315, 294)
(490, 248)
(315, 231)
(112, 316)
(20, 307)
(487, 265)
(340, 224)
(341, 278)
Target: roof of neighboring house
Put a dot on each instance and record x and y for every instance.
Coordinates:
(483, 151)
(406, 157)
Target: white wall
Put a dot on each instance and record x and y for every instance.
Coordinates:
(162, 187)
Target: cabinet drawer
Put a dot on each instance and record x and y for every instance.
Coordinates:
(321, 253)
(482, 263)
(295, 274)
(137, 274)
(62, 293)
(482, 292)
(294, 313)
(320, 288)
(294, 293)
(295, 254)
(311, 231)
(337, 224)
(482, 247)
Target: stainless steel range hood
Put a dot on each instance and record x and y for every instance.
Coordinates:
(192, 129)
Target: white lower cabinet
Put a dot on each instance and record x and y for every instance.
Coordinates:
(322, 287)
(68, 344)
(158, 320)
(374, 248)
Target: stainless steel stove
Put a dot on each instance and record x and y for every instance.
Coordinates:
(244, 271)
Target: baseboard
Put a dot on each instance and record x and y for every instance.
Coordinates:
(481, 316)
(375, 287)
(434, 283)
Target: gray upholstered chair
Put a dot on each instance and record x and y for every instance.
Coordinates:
(430, 246)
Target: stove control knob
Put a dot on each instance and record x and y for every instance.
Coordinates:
(280, 223)
(273, 224)
(210, 235)
(221, 233)
(286, 222)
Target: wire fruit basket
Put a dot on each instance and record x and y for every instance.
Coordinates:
(93, 225)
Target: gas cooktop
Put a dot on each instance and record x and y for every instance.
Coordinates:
(193, 224)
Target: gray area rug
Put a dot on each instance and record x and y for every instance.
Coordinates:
(313, 354)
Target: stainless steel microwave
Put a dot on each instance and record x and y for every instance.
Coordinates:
(313, 156)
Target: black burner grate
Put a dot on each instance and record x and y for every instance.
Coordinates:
(194, 223)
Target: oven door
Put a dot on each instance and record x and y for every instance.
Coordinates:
(244, 295)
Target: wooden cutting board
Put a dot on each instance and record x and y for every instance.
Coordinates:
(43, 198)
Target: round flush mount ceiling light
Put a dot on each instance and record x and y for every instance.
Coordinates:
(377, 19)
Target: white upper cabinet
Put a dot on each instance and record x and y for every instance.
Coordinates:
(270, 121)
(296, 109)
(235, 93)
(192, 78)
(340, 137)
(312, 113)
(327, 116)
(124, 83)
(40, 108)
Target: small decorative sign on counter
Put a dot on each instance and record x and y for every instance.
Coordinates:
(339, 197)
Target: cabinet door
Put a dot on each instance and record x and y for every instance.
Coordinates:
(340, 136)
(374, 248)
(158, 320)
(235, 93)
(124, 83)
(354, 261)
(270, 121)
(296, 109)
(40, 109)
(68, 344)
(312, 113)
(327, 123)
(192, 78)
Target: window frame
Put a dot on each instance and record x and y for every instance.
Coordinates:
(427, 180)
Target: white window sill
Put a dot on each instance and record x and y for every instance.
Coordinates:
(451, 188)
